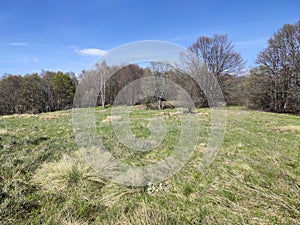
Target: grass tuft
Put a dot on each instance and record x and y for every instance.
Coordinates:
(66, 172)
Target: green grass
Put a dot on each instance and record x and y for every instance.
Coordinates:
(255, 179)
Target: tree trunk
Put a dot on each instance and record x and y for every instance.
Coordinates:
(159, 103)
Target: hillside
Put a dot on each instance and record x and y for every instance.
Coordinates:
(255, 178)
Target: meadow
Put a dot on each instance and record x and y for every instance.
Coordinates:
(255, 178)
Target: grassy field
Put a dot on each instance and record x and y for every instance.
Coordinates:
(255, 178)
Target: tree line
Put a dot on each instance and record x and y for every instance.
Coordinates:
(36, 93)
(273, 85)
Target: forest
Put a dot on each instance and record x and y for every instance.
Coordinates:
(272, 85)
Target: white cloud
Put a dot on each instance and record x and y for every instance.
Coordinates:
(91, 52)
(30, 60)
(18, 44)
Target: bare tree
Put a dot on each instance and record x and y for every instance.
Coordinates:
(207, 84)
(102, 72)
(124, 76)
(94, 81)
(218, 54)
(159, 71)
(280, 61)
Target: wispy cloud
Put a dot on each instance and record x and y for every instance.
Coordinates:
(30, 60)
(18, 44)
(91, 52)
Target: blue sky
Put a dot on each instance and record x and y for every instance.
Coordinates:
(70, 35)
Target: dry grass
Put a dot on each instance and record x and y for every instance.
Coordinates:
(21, 116)
(240, 199)
(144, 214)
(166, 113)
(108, 119)
(289, 128)
(42, 116)
(140, 107)
(103, 162)
(53, 115)
(68, 171)
(202, 114)
(3, 131)
(112, 193)
(59, 219)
